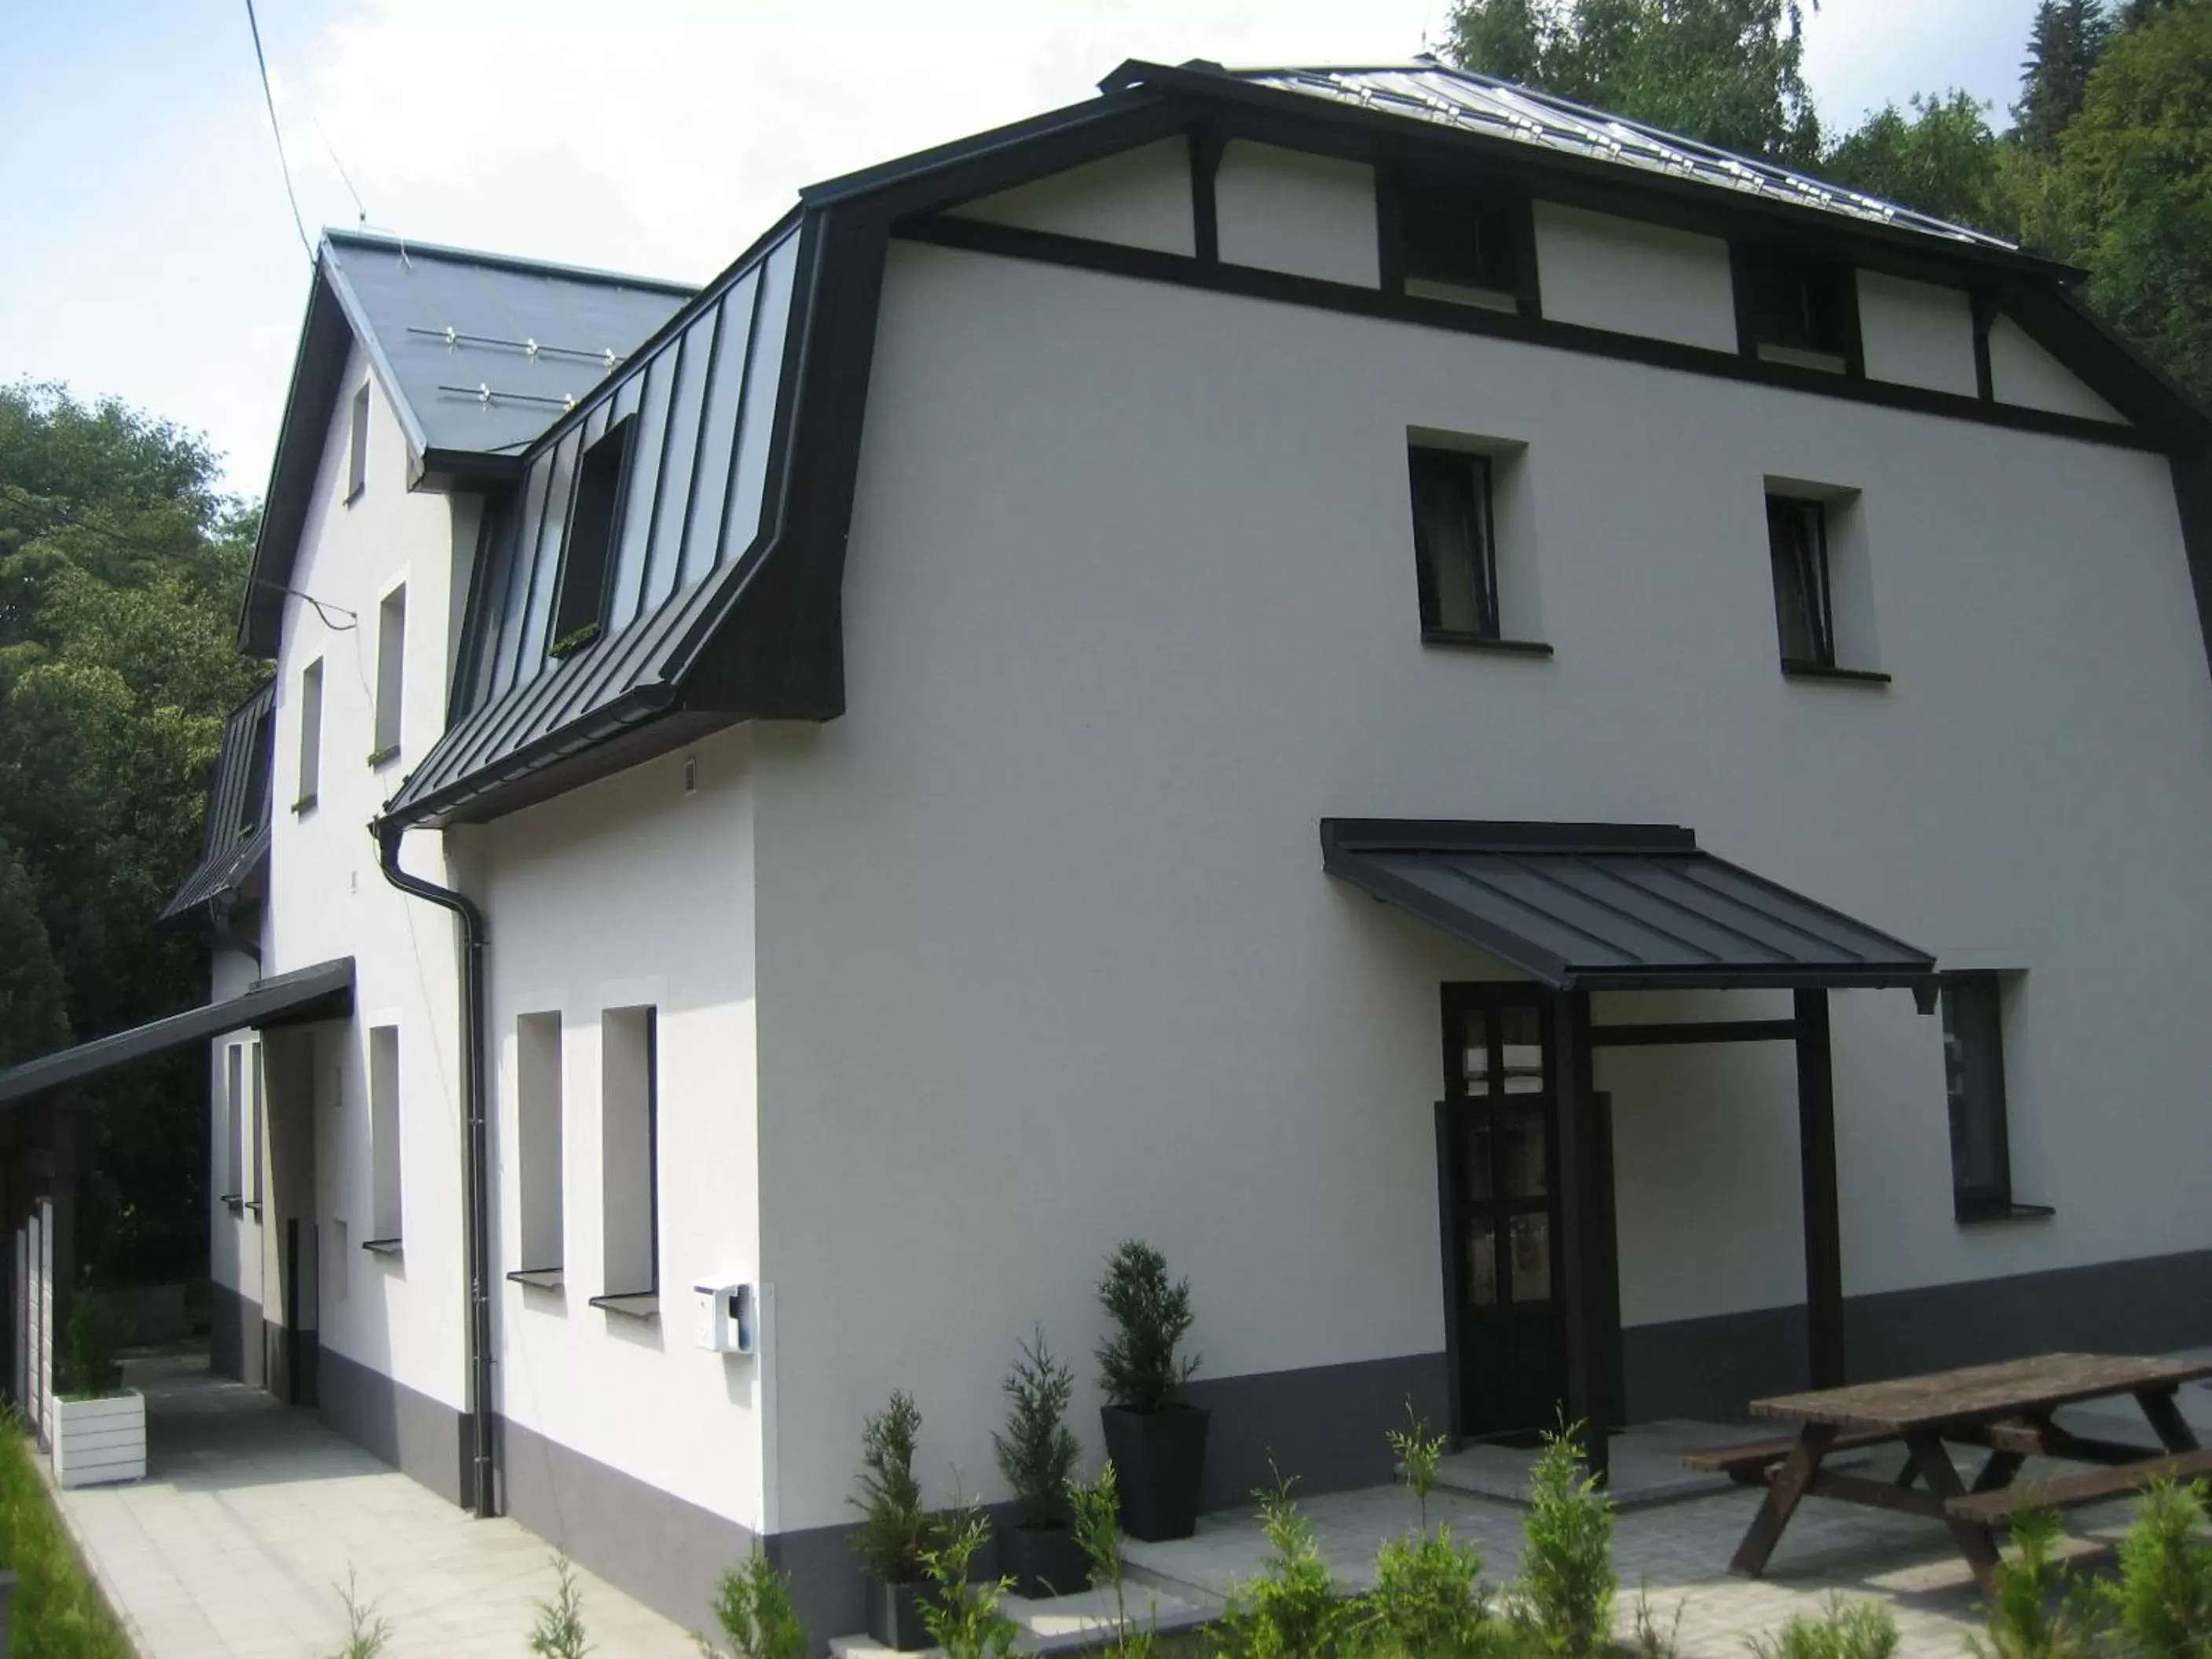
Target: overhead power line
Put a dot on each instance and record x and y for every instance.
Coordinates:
(283, 163)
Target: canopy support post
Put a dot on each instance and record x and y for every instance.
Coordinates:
(1816, 1139)
(1583, 1211)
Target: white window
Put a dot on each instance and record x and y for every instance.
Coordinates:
(629, 1199)
(384, 1134)
(357, 445)
(234, 1124)
(538, 1111)
(311, 734)
(390, 672)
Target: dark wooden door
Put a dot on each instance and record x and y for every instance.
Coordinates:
(1499, 1149)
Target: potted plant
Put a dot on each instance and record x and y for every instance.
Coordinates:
(1156, 1440)
(98, 1425)
(1036, 1453)
(896, 1537)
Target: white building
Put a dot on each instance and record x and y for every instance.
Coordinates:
(916, 744)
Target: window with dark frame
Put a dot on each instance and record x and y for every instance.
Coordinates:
(1455, 543)
(579, 605)
(1974, 1086)
(1797, 311)
(255, 802)
(1804, 611)
(1461, 247)
(357, 445)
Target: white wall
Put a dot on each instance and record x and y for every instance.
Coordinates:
(234, 1243)
(1310, 215)
(401, 1315)
(1917, 334)
(1140, 198)
(1047, 956)
(1609, 272)
(2022, 372)
(627, 893)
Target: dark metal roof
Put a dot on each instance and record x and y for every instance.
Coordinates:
(694, 509)
(1426, 90)
(322, 992)
(235, 840)
(479, 352)
(1611, 906)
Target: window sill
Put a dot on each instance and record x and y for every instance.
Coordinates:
(637, 1304)
(1456, 641)
(1825, 362)
(535, 1279)
(1979, 1214)
(378, 758)
(1821, 670)
(234, 1202)
(386, 1247)
(254, 1205)
(355, 494)
(304, 805)
(579, 641)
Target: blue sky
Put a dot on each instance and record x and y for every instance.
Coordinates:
(151, 253)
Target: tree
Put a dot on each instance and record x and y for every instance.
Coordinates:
(1730, 72)
(1941, 160)
(2062, 47)
(121, 564)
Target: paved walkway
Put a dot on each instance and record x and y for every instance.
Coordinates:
(239, 1540)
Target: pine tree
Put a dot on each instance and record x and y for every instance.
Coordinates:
(2062, 47)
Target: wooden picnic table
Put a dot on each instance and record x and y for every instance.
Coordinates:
(2005, 1408)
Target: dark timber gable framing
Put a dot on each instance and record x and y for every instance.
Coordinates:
(752, 626)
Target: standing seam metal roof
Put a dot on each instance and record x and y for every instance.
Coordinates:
(236, 837)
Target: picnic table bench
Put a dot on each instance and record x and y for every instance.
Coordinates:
(2005, 1409)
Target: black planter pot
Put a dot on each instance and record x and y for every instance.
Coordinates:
(895, 1615)
(1159, 1458)
(1043, 1561)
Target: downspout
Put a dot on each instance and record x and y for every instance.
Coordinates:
(475, 1145)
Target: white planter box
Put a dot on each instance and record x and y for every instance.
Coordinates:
(98, 1441)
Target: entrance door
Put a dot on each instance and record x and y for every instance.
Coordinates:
(1499, 1146)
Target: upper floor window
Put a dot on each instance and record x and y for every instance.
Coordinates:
(311, 735)
(1455, 543)
(391, 673)
(1460, 246)
(1804, 608)
(1974, 1084)
(1798, 311)
(357, 445)
(579, 607)
(629, 1194)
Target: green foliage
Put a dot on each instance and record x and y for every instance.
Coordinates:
(2064, 44)
(753, 1606)
(1730, 72)
(1649, 1638)
(1418, 1452)
(1844, 1630)
(367, 1629)
(1943, 159)
(897, 1535)
(58, 1612)
(1096, 1507)
(2039, 1611)
(575, 639)
(1289, 1611)
(1429, 1601)
(2163, 1599)
(1036, 1453)
(1563, 1600)
(87, 1368)
(965, 1618)
(1138, 1366)
(559, 1632)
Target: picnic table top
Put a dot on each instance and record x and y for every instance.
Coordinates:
(1905, 1403)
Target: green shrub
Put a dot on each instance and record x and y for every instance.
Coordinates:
(1418, 1452)
(1844, 1630)
(559, 1632)
(1138, 1366)
(1429, 1601)
(2039, 1611)
(86, 1368)
(1289, 1611)
(964, 1618)
(58, 1612)
(753, 1606)
(1096, 1507)
(2163, 1599)
(897, 1535)
(1563, 1600)
(1036, 1453)
(367, 1629)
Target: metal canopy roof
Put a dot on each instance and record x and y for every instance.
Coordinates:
(236, 839)
(1428, 91)
(322, 992)
(1611, 906)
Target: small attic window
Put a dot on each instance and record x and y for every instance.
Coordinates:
(1464, 247)
(1797, 311)
(357, 446)
(580, 605)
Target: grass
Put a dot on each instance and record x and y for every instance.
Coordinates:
(60, 1612)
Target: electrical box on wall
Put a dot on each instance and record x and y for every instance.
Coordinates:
(725, 1318)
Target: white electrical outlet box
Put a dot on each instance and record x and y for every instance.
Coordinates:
(723, 1318)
